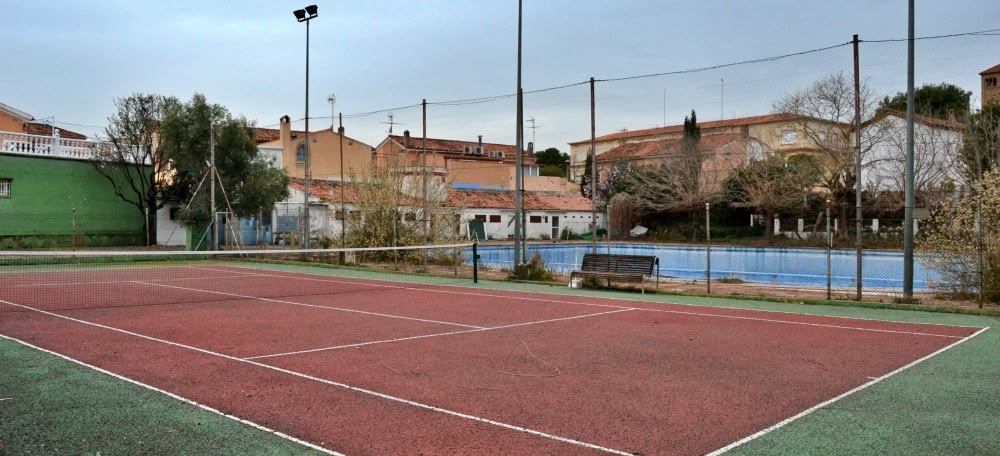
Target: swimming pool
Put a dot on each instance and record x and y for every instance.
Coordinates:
(782, 266)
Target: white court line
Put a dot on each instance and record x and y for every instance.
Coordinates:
(425, 336)
(5, 398)
(108, 282)
(854, 328)
(310, 305)
(174, 396)
(337, 384)
(809, 410)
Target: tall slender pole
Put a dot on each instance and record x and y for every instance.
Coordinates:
(343, 205)
(722, 99)
(593, 170)
(423, 154)
(517, 152)
(213, 230)
(307, 227)
(908, 172)
(858, 221)
(708, 248)
(829, 251)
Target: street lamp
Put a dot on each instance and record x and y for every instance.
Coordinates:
(306, 15)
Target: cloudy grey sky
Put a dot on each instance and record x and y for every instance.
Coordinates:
(68, 60)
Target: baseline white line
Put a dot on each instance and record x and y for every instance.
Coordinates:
(107, 282)
(426, 336)
(174, 396)
(5, 398)
(309, 305)
(337, 384)
(809, 410)
(610, 298)
(803, 323)
(647, 309)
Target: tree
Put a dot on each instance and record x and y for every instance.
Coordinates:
(770, 185)
(825, 121)
(934, 100)
(551, 157)
(585, 185)
(980, 150)
(131, 162)
(962, 239)
(250, 182)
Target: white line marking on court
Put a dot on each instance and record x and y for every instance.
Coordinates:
(310, 305)
(803, 323)
(107, 282)
(425, 336)
(611, 298)
(331, 383)
(5, 398)
(809, 410)
(640, 308)
(174, 396)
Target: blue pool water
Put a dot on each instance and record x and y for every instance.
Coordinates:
(782, 266)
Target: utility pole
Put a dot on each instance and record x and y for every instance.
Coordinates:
(343, 207)
(518, 159)
(858, 221)
(593, 171)
(423, 154)
(909, 172)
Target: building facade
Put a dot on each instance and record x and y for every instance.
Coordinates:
(991, 90)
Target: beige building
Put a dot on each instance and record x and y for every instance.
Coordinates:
(781, 133)
(991, 91)
(287, 149)
(13, 120)
(466, 164)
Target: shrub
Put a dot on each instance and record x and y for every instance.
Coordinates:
(533, 270)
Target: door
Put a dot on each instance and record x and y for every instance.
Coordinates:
(555, 227)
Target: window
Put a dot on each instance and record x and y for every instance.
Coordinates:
(300, 154)
(174, 213)
(535, 219)
(991, 82)
(789, 137)
(494, 219)
(5, 185)
(410, 217)
(338, 215)
(480, 217)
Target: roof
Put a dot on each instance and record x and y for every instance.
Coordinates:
(491, 199)
(329, 192)
(665, 147)
(920, 119)
(263, 135)
(41, 129)
(16, 112)
(454, 146)
(991, 70)
(740, 121)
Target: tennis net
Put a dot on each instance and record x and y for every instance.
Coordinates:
(63, 280)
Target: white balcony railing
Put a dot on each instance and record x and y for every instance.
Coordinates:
(51, 146)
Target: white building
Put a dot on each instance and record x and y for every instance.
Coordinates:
(547, 215)
(936, 145)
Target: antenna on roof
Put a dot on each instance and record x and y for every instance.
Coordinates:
(391, 122)
(332, 99)
(533, 127)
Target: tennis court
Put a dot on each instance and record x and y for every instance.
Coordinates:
(362, 363)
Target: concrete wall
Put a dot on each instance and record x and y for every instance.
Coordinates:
(52, 199)
(541, 228)
(324, 154)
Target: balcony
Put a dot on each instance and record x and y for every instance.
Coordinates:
(55, 147)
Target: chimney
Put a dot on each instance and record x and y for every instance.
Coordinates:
(951, 117)
(480, 142)
(406, 139)
(285, 130)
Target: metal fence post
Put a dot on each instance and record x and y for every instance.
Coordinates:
(708, 248)
(829, 250)
(475, 262)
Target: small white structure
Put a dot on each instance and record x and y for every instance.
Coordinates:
(546, 215)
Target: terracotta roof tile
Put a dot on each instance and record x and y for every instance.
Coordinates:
(753, 120)
(991, 70)
(484, 199)
(457, 147)
(662, 148)
(41, 129)
(264, 135)
(329, 192)
(920, 119)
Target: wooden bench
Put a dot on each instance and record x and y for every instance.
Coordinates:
(619, 268)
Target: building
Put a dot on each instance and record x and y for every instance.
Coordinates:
(287, 149)
(546, 215)
(463, 164)
(781, 133)
(51, 194)
(936, 144)
(991, 91)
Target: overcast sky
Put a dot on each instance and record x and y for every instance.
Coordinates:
(68, 60)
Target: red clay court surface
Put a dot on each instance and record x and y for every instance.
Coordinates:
(367, 367)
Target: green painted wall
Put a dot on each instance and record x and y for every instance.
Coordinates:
(43, 195)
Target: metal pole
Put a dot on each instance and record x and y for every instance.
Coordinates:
(426, 217)
(829, 251)
(708, 247)
(213, 231)
(517, 151)
(593, 171)
(307, 228)
(908, 177)
(343, 206)
(858, 222)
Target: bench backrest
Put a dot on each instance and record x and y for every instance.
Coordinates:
(605, 262)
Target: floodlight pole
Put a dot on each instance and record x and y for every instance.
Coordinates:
(213, 229)
(858, 221)
(908, 176)
(593, 171)
(517, 152)
(305, 15)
